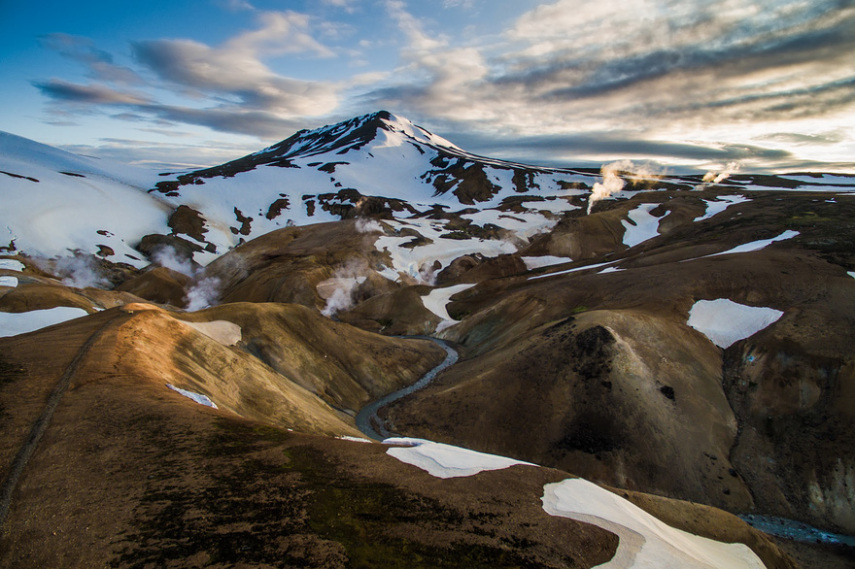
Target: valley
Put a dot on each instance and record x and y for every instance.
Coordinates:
(190, 362)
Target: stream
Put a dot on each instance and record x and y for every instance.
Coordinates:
(796, 531)
(367, 419)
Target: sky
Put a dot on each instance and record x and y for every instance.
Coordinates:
(684, 84)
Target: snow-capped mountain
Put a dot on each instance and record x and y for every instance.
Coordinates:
(378, 165)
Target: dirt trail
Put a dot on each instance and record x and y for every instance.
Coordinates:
(41, 424)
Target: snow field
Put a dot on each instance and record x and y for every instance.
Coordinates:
(62, 212)
(645, 541)
(726, 322)
(417, 262)
(14, 323)
(446, 461)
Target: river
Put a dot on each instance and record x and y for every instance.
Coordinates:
(367, 419)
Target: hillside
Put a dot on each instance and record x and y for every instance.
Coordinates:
(182, 353)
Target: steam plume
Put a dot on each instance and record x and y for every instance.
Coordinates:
(713, 177)
(339, 290)
(613, 183)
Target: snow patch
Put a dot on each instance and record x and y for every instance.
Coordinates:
(437, 300)
(197, 397)
(11, 282)
(715, 207)
(851, 274)
(757, 245)
(446, 461)
(14, 323)
(221, 331)
(12, 265)
(354, 439)
(642, 225)
(645, 541)
(544, 261)
(573, 270)
(726, 322)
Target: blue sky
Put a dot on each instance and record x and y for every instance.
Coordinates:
(683, 83)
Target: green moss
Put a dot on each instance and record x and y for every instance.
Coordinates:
(367, 519)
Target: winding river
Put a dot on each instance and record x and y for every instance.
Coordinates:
(367, 420)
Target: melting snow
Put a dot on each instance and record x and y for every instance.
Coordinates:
(9, 281)
(197, 397)
(14, 323)
(12, 265)
(715, 207)
(417, 262)
(757, 245)
(645, 541)
(526, 224)
(726, 322)
(446, 461)
(544, 261)
(644, 225)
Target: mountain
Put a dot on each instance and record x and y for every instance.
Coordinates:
(682, 340)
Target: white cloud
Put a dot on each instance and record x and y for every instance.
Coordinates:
(237, 67)
(419, 39)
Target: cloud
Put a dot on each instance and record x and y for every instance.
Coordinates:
(236, 70)
(419, 40)
(92, 94)
(99, 62)
(664, 68)
(797, 138)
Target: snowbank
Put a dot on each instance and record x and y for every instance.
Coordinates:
(12, 324)
(645, 541)
(726, 322)
(446, 461)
